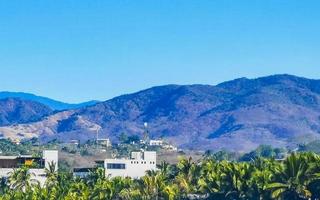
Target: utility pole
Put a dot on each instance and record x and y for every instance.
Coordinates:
(146, 134)
(97, 136)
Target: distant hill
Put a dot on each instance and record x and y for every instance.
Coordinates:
(53, 104)
(15, 111)
(281, 110)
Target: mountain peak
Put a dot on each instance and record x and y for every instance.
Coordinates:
(241, 114)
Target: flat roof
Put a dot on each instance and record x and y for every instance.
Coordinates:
(15, 157)
(8, 157)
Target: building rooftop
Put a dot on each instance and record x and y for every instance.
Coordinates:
(8, 157)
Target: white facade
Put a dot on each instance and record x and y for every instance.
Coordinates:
(156, 143)
(135, 167)
(106, 142)
(170, 147)
(50, 156)
(37, 174)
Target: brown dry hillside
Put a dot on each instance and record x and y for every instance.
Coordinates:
(280, 110)
(16, 110)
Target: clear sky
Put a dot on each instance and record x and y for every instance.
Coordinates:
(80, 50)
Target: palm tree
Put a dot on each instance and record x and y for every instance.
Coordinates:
(164, 168)
(258, 184)
(65, 180)
(149, 186)
(132, 193)
(38, 193)
(95, 176)
(78, 191)
(184, 165)
(103, 189)
(313, 161)
(51, 174)
(169, 172)
(21, 178)
(235, 177)
(119, 184)
(3, 186)
(171, 192)
(291, 179)
(261, 177)
(209, 182)
(187, 178)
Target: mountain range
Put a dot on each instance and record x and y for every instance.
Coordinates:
(53, 104)
(16, 111)
(238, 115)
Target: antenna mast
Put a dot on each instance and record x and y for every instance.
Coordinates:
(146, 133)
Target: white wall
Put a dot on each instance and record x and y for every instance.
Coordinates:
(36, 174)
(50, 156)
(156, 143)
(135, 168)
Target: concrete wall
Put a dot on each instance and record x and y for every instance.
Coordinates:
(134, 168)
(50, 156)
(156, 143)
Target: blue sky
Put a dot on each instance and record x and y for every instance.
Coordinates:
(81, 50)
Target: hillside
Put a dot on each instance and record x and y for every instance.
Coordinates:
(15, 111)
(280, 110)
(53, 104)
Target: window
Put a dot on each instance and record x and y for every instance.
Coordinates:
(116, 166)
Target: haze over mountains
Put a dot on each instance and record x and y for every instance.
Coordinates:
(281, 110)
(15, 111)
(53, 104)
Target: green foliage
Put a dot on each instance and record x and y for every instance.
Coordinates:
(84, 152)
(265, 151)
(313, 146)
(9, 148)
(260, 174)
(123, 137)
(133, 139)
(221, 155)
(27, 147)
(297, 178)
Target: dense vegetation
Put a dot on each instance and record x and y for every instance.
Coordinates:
(296, 177)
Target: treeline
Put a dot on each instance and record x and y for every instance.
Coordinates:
(264, 151)
(296, 177)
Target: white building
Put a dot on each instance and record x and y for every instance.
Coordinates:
(155, 142)
(104, 142)
(37, 165)
(74, 142)
(170, 147)
(164, 145)
(135, 167)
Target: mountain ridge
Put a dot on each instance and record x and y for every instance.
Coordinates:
(281, 110)
(16, 110)
(53, 104)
